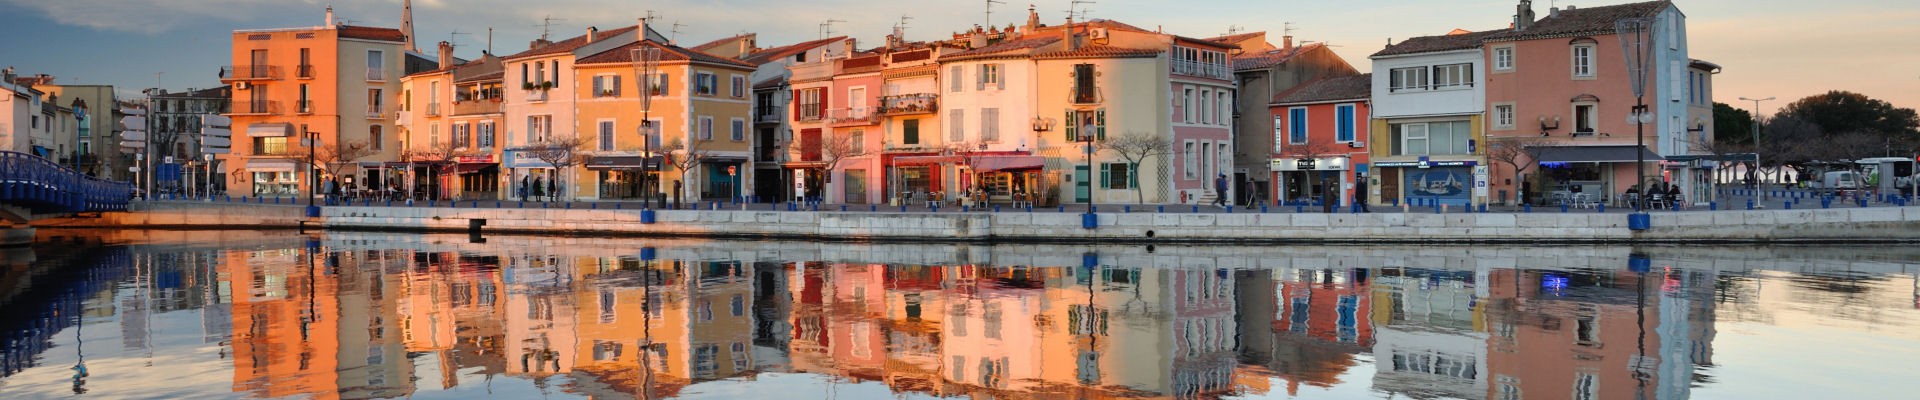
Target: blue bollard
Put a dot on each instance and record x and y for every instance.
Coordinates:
(1713, 206)
(593, 206)
(1601, 207)
(1563, 208)
(1436, 209)
(1063, 208)
(935, 208)
(1229, 209)
(1196, 209)
(1826, 202)
(1526, 208)
(903, 208)
(843, 208)
(1749, 204)
(1298, 208)
(1863, 202)
(1127, 209)
(996, 208)
(1789, 205)
(1163, 209)
(1029, 208)
(873, 208)
(1483, 208)
(1263, 208)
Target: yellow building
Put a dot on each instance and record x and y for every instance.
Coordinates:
(699, 110)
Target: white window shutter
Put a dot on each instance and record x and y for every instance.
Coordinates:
(1676, 80)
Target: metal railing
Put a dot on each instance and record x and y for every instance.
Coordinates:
(852, 116)
(249, 72)
(376, 75)
(303, 71)
(1200, 69)
(303, 106)
(1086, 95)
(256, 107)
(39, 183)
(266, 148)
(918, 103)
(770, 115)
(433, 109)
(810, 114)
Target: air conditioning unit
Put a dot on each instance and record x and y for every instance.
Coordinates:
(1098, 33)
(242, 85)
(1357, 145)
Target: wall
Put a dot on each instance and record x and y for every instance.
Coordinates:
(1388, 104)
(188, 215)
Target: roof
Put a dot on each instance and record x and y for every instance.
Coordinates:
(371, 33)
(769, 55)
(213, 92)
(1351, 87)
(1270, 58)
(1583, 21)
(624, 54)
(1237, 38)
(717, 42)
(769, 82)
(572, 43)
(1100, 51)
(1430, 44)
(996, 49)
(489, 76)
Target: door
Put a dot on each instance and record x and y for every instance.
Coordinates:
(1390, 185)
(1082, 184)
(856, 185)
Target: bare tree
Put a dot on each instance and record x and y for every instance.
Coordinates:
(1721, 150)
(686, 156)
(970, 153)
(562, 152)
(833, 150)
(1310, 149)
(1520, 153)
(1135, 147)
(341, 154)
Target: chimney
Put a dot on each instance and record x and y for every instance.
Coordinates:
(593, 33)
(641, 28)
(329, 16)
(446, 55)
(1553, 12)
(1523, 15)
(1033, 20)
(1286, 42)
(746, 46)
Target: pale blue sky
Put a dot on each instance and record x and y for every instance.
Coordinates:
(1779, 48)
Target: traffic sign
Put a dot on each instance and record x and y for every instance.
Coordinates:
(731, 170)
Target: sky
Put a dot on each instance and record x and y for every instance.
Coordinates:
(1786, 49)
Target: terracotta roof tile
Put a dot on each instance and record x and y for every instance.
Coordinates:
(717, 42)
(572, 43)
(1100, 51)
(1351, 87)
(1429, 44)
(371, 33)
(1237, 38)
(1583, 21)
(1270, 58)
(769, 55)
(624, 54)
(1018, 47)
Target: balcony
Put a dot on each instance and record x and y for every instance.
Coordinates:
(812, 71)
(537, 95)
(908, 104)
(1204, 70)
(303, 71)
(852, 117)
(256, 107)
(234, 73)
(1086, 96)
(433, 109)
(810, 114)
(772, 115)
(271, 148)
(476, 107)
(376, 75)
(303, 107)
(376, 111)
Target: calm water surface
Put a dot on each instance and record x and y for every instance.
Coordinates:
(281, 315)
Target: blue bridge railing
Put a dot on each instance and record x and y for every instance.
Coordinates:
(41, 185)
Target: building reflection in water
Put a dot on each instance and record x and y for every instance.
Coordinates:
(356, 319)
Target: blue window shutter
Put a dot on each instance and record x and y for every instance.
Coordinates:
(616, 85)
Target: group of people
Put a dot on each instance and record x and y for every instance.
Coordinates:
(1660, 191)
(538, 188)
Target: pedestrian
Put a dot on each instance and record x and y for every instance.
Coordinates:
(522, 191)
(1220, 191)
(537, 183)
(1360, 192)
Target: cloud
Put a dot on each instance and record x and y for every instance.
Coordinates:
(149, 17)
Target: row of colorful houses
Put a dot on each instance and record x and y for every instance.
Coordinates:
(1082, 112)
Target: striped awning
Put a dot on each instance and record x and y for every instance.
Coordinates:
(280, 129)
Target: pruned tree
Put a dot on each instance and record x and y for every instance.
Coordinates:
(562, 152)
(1720, 148)
(970, 153)
(833, 150)
(686, 156)
(1520, 154)
(341, 154)
(1134, 147)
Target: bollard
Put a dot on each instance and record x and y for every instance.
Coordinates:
(1601, 207)
(1789, 205)
(593, 206)
(1863, 202)
(873, 208)
(1063, 208)
(1163, 209)
(1749, 204)
(1299, 209)
(1127, 209)
(1196, 209)
(1826, 202)
(996, 208)
(1563, 208)
(843, 208)
(1483, 208)
(935, 208)
(1526, 208)
(1029, 208)
(1229, 209)
(1263, 208)
(1713, 206)
(903, 208)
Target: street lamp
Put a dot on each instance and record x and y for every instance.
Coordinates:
(1635, 35)
(313, 140)
(1756, 145)
(1086, 138)
(645, 60)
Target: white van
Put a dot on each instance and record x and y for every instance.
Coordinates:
(1839, 181)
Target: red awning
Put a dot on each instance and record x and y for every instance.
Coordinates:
(1008, 163)
(468, 168)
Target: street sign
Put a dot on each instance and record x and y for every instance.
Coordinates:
(216, 141)
(137, 136)
(731, 170)
(141, 144)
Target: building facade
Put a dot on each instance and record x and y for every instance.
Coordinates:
(1427, 125)
(1263, 72)
(695, 143)
(1320, 133)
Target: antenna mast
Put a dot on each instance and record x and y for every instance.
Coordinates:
(826, 28)
(990, 4)
(546, 26)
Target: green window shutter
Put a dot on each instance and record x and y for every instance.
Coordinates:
(1100, 123)
(1133, 176)
(1104, 181)
(1072, 129)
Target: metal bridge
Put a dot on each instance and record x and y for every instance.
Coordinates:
(31, 185)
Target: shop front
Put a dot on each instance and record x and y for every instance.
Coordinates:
(529, 177)
(1311, 180)
(721, 177)
(626, 177)
(1007, 179)
(1591, 174)
(273, 177)
(474, 177)
(917, 179)
(1448, 182)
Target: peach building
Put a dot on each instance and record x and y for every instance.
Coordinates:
(450, 120)
(695, 105)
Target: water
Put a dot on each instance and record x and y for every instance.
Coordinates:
(276, 314)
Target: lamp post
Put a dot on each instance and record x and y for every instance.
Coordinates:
(313, 140)
(1635, 35)
(645, 60)
(1756, 146)
(1086, 139)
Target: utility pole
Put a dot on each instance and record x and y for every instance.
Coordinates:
(1756, 150)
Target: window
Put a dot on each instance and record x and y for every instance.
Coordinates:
(990, 124)
(375, 102)
(910, 131)
(956, 126)
(953, 79)
(1452, 76)
(1586, 330)
(858, 139)
(738, 307)
(1204, 95)
(1186, 106)
(376, 65)
(606, 135)
(1206, 158)
(1187, 161)
(1279, 132)
(523, 74)
(739, 87)
(433, 135)
(706, 128)
(1344, 123)
(1083, 89)
(989, 76)
(1414, 78)
(1586, 386)
(1116, 176)
(606, 86)
(1503, 116)
(707, 84)
(1503, 58)
(739, 129)
(661, 85)
(809, 104)
(539, 127)
(1297, 125)
(1584, 119)
(374, 138)
(459, 135)
(306, 103)
(1225, 106)
(486, 134)
(1438, 138)
(1583, 60)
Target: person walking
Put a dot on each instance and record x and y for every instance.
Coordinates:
(538, 183)
(522, 191)
(1220, 191)
(1360, 192)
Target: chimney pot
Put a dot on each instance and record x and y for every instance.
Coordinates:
(641, 29)
(446, 55)
(593, 33)
(1286, 42)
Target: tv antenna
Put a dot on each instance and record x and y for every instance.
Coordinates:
(826, 28)
(674, 34)
(546, 25)
(900, 29)
(990, 4)
(453, 38)
(1233, 30)
(1075, 5)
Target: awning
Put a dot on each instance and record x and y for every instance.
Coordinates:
(925, 160)
(1008, 163)
(41, 151)
(269, 130)
(270, 165)
(623, 162)
(463, 169)
(1596, 154)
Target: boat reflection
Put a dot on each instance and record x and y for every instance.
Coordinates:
(379, 316)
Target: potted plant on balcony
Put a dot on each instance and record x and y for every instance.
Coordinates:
(548, 85)
(526, 86)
